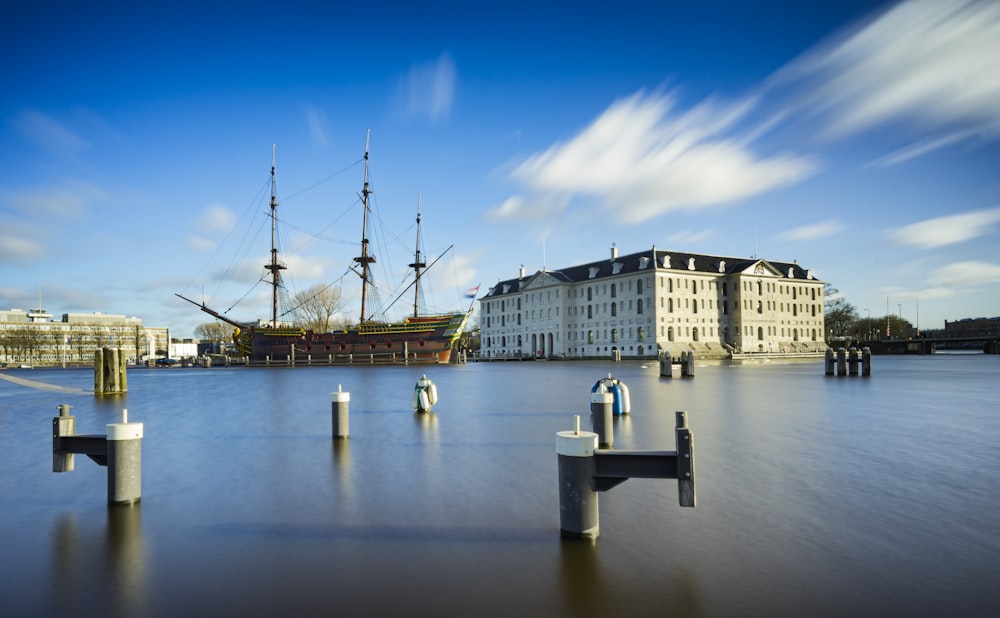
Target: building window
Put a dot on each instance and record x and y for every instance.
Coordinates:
(614, 291)
(641, 334)
(590, 336)
(638, 306)
(638, 286)
(670, 334)
(614, 307)
(614, 335)
(590, 312)
(590, 294)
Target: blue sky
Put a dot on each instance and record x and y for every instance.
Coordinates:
(861, 139)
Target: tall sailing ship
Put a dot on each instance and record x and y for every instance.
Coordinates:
(416, 339)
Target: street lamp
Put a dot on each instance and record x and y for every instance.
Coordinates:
(868, 324)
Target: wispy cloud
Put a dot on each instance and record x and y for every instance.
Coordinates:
(929, 62)
(964, 274)
(49, 133)
(812, 231)
(926, 65)
(316, 123)
(70, 200)
(428, 90)
(948, 230)
(640, 159)
(18, 247)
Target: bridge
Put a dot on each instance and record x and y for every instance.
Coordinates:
(988, 344)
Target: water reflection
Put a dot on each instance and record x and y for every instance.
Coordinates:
(428, 423)
(100, 576)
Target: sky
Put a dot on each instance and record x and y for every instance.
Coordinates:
(860, 139)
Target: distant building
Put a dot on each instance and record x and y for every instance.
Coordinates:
(972, 327)
(33, 337)
(654, 300)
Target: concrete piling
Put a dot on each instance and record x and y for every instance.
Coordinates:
(120, 450)
(586, 469)
(340, 405)
(124, 443)
(602, 417)
(578, 514)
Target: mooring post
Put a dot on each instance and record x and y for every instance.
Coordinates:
(578, 514)
(585, 469)
(666, 365)
(841, 362)
(830, 362)
(62, 425)
(852, 361)
(602, 416)
(124, 461)
(120, 450)
(341, 401)
(687, 364)
(866, 361)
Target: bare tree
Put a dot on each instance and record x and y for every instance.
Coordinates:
(315, 307)
(216, 332)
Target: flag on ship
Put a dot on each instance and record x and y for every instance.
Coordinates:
(472, 293)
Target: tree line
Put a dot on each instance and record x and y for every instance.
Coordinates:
(843, 321)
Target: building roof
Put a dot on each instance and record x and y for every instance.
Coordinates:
(639, 262)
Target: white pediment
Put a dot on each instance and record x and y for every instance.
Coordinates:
(540, 279)
(762, 268)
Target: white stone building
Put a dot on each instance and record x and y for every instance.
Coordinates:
(33, 337)
(642, 303)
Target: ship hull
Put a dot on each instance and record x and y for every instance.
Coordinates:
(426, 339)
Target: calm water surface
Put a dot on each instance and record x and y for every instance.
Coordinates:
(817, 496)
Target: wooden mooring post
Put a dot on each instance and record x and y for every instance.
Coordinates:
(686, 361)
(109, 372)
(846, 362)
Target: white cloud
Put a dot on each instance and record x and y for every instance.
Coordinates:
(216, 218)
(932, 62)
(429, 89)
(968, 273)
(948, 230)
(921, 148)
(18, 248)
(641, 161)
(813, 231)
(72, 200)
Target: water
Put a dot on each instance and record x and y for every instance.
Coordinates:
(817, 495)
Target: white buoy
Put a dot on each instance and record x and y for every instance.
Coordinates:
(424, 394)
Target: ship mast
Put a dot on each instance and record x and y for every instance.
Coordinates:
(364, 259)
(417, 263)
(274, 265)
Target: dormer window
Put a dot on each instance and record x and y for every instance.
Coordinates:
(616, 267)
(690, 263)
(666, 261)
(643, 262)
(722, 266)
(506, 288)
(593, 272)
(791, 272)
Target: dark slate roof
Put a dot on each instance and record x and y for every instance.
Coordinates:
(630, 264)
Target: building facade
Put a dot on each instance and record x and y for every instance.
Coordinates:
(643, 303)
(33, 337)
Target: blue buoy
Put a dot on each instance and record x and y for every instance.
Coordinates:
(619, 390)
